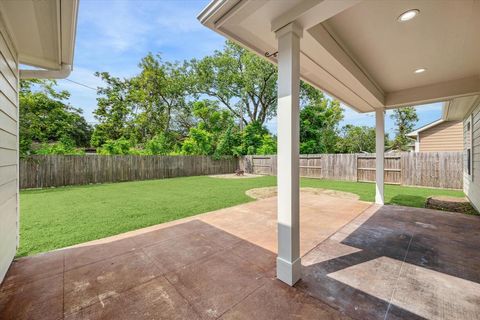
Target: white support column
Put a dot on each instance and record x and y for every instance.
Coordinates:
(380, 154)
(288, 128)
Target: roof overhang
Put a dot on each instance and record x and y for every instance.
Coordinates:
(457, 109)
(428, 126)
(43, 32)
(358, 52)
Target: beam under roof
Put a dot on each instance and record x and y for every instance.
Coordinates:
(311, 12)
(434, 92)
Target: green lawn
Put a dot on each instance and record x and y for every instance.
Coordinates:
(55, 218)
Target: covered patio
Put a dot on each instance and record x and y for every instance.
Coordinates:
(359, 261)
(370, 55)
(336, 258)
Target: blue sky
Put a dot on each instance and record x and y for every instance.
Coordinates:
(114, 35)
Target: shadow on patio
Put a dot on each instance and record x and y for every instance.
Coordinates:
(396, 262)
(389, 262)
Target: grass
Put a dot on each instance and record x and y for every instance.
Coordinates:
(55, 218)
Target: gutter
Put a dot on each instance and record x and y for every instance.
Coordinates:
(63, 73)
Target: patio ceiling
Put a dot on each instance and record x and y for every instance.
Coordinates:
(358, 51)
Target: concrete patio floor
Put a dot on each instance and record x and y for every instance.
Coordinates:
(359, 261)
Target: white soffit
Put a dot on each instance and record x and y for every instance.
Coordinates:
(458, 108)
(43, 32)
(358, 52)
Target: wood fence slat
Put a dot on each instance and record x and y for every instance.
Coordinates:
(432, 169)
(41, 171)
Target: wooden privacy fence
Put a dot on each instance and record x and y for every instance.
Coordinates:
(429, 169)
(366, 169)
(55, 170)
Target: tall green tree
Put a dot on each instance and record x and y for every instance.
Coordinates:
(208, 137)
(356, 139)
(253, 138)
(241, 81)
(142, 107)
(319, 120)
(46, 117)
(159, 94)
(114, 111)
(405, 120)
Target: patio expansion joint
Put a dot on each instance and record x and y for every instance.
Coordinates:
(398, 277)
(339, 229)
(243, 299)
(135, 249)
(183, 297)
(63, 289)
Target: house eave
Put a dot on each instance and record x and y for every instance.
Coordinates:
(49, 47)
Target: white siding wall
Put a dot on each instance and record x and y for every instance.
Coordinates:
(471, 184)
(9, 212)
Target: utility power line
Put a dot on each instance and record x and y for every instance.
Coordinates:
(81, 84)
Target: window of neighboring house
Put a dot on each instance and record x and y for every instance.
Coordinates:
(469, 146)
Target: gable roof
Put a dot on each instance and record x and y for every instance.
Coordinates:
(425, 127)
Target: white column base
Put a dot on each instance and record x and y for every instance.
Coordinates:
(289, 272)
(378, 197)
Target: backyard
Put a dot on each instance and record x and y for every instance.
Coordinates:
(60, 217)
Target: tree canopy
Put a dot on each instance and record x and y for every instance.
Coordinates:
(48, 124)
(405, 120)
(218, 106)
(319, 121)
(240, 80)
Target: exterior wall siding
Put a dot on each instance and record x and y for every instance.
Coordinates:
(471, 183)
(446, 136)
(9, 160)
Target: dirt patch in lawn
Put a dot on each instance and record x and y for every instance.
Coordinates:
(451, 204)
(267, 192)
(234, 176)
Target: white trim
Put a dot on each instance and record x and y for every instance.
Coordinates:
(470, 146)
(417, 144)
(425, 127)
(380, 156)
(431, 93)
(66, 18)
(288, 271)
(63, 73)
(288, 175)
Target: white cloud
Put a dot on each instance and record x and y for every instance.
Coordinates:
(117, 24)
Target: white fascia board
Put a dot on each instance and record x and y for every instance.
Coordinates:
(436, 92)
(428, 126)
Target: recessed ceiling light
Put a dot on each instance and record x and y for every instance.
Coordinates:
(420, 70)
(408, 15)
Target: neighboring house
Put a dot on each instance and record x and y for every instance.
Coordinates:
(39, 34)
(440, 135)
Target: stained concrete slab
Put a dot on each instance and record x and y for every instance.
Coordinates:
(276, 300)
(107, 278)
(399, 263)
(359, 261)
(155, 299)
